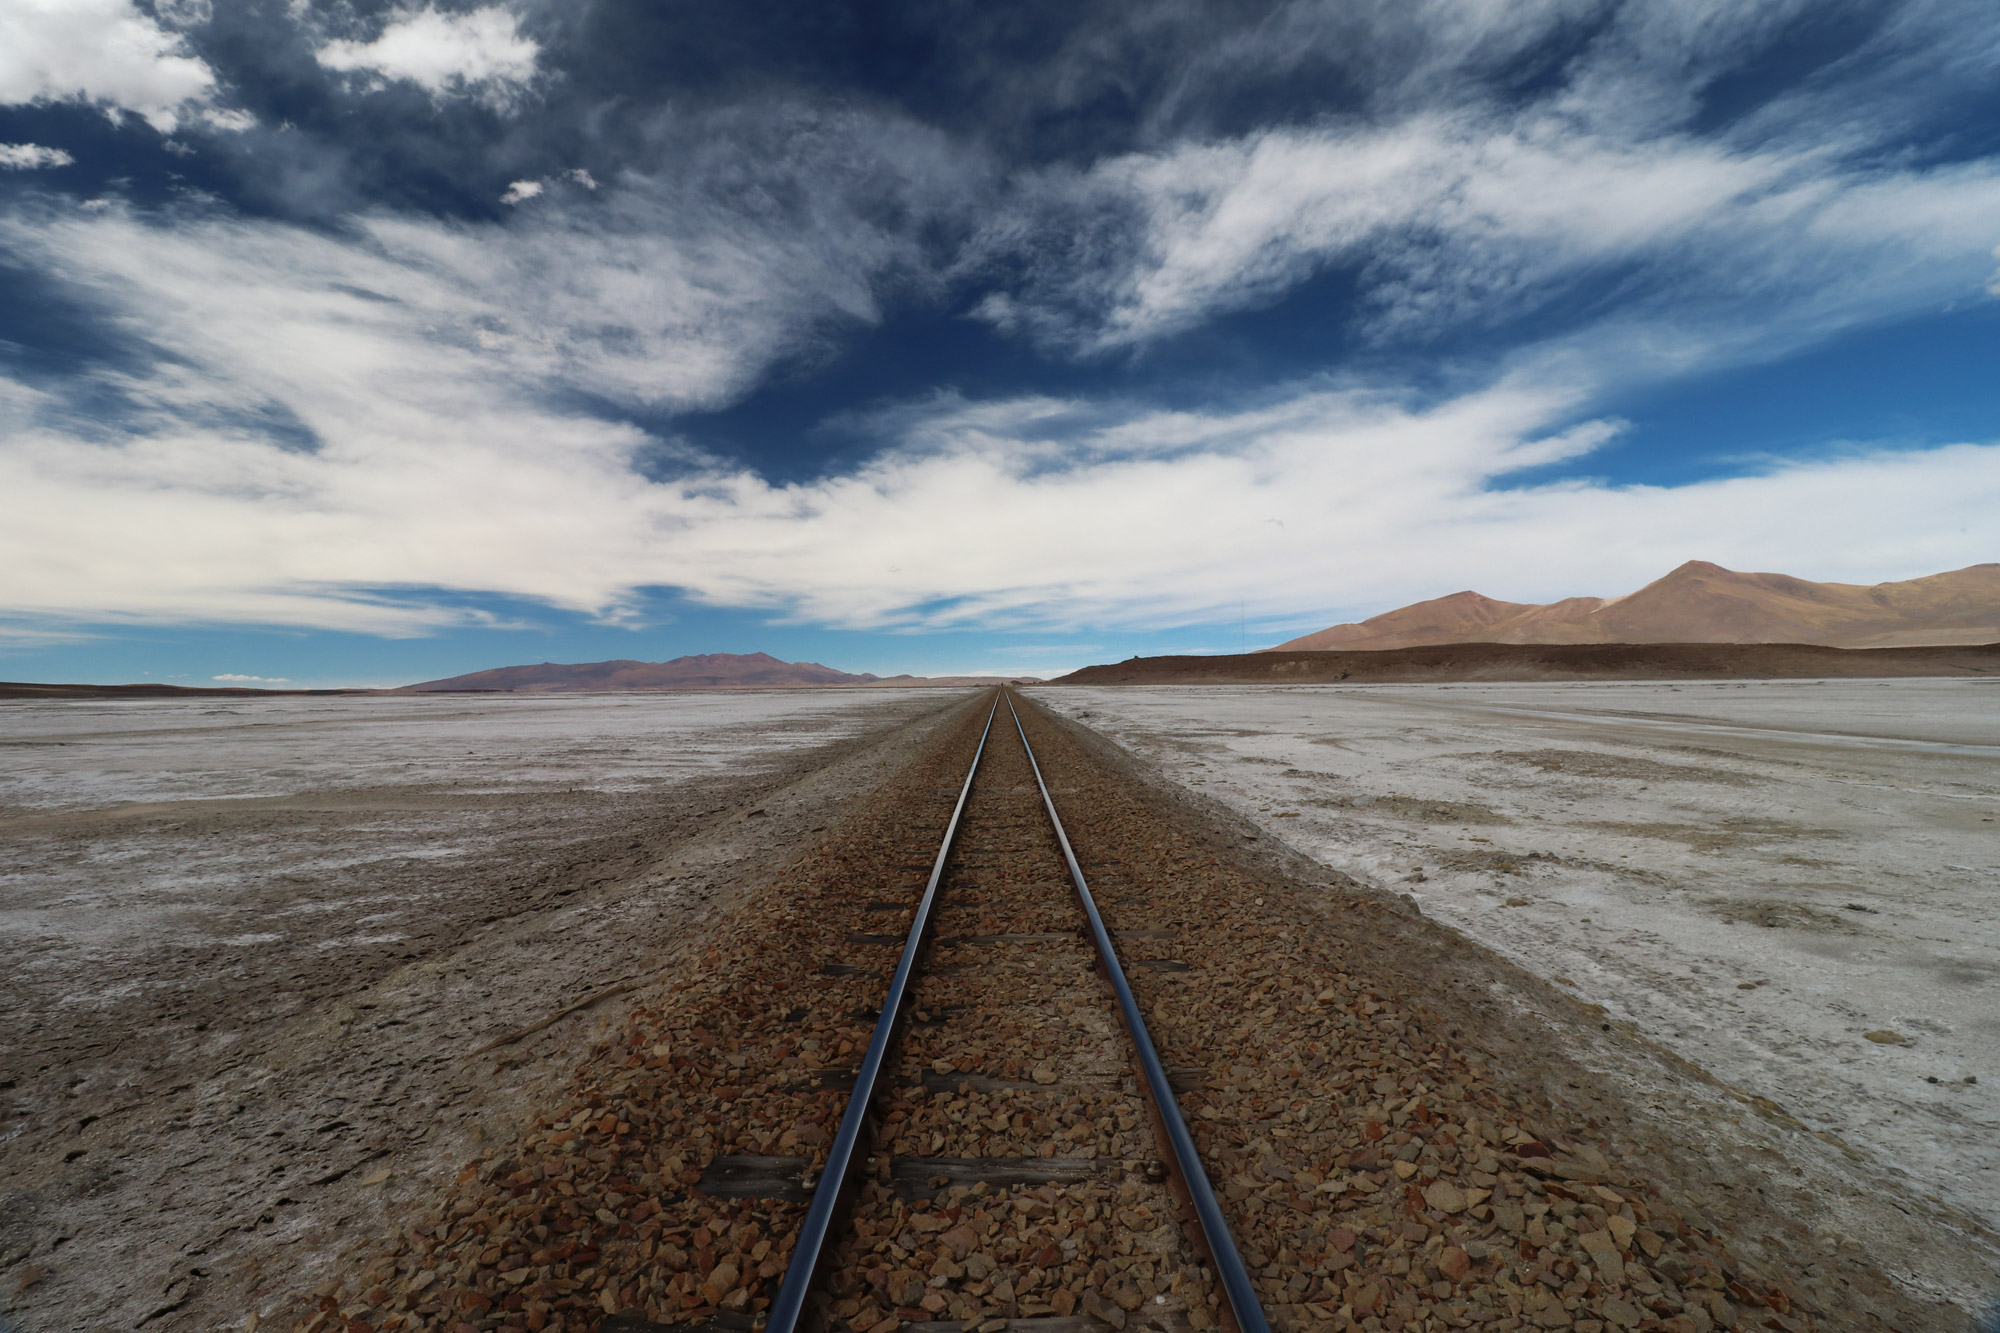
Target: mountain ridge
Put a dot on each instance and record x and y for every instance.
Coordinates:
(1699, 602)
(696, 671)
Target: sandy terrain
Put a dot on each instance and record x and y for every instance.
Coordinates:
(251, 948)
(1758, 876)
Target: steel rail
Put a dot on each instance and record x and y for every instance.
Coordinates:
(837, 1178)
(1229, 1266)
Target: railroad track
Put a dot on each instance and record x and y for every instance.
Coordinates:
(1006, 921)
(905, 1087)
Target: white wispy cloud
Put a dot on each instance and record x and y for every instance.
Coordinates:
(261, 680)
(32, 157)
(104, 52)
(1375, 501)
(437, 468)
(410, 358)
(1460, 222)
(1456, 201)
(479, 52)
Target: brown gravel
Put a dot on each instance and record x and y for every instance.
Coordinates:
(1379, 1168)
(594, 1210)
(1395, 1133)
(1011, 996)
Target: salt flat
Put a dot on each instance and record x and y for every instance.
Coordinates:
(94, 753)
(250, 947)
(1756, 875)
(95, 797)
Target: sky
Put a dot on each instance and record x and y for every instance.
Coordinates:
(362, 343)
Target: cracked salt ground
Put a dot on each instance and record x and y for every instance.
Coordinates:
(253, 951)
(1756, 899)
(103, 755)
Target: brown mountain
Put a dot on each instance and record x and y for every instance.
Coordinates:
(1701, 603)
(704, 671)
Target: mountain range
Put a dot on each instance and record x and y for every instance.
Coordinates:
(702, 671)
(1700, 603)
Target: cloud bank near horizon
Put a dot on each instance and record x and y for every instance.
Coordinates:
(400, 378)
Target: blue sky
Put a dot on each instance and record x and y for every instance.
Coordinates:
(368, 343)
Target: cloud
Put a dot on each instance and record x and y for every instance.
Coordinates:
(435, 473)
(1377, 501)
(519, 192)
(477, 53)
(448, 382)
(1641, 162)
(264, 680)
(31, 157)
(104, 52)
(623, 298)
(21, 638)
(1456, 222)
(371, 423)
